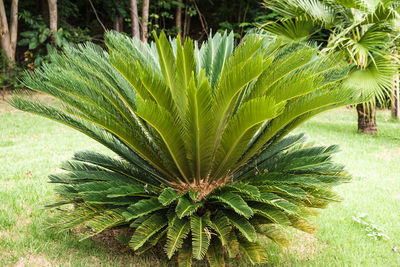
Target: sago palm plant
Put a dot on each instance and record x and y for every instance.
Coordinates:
(205, 166)
(363, 30)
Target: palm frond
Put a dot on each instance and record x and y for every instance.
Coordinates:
(201, 236)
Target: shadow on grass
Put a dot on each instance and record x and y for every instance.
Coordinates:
(33, 238)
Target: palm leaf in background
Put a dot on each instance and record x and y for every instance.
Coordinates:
(205, 164)
(364, 30)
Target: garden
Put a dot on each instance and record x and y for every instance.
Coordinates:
(162, 133)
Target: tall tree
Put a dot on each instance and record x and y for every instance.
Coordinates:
(178, 17)
(118, 23)
(8, 36)
(135, 19)
(53, 15)
(395, 97)
(145, 18)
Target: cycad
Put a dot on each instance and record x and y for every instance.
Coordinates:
(205, 165)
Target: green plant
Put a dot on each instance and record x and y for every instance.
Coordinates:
(372, 229)
(37, 39)
(205, 166)
(9, 74)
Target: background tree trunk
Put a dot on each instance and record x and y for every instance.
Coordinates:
(395, 97)
(53, 19)
(119, 24)
(145, 18)
(14, 26)
(135, 19)
(367, 119)
(178, 18)
(8, 41)
(186, 22)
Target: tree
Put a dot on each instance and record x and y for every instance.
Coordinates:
(206, 164)
(178, 17)
(362, 30)
(145, 19)
(134, 19)
(395, 98)
(119, 23)
(53, 15)
(9, 34)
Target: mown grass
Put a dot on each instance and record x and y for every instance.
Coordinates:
(32, 147)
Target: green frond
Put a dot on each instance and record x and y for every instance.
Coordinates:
(106, 220)
(200, 235)
(233, 201)
(137, 222)
(293, 30)
(186, 207)
(185, 255)
(222, 54)
(233, 245)
(220, 224)
(313, 102)
(76, 217)
(316, 10)
(270, 212)
(242, 188)
(199, 124)
(381, 14)
(215, 254)
(240, 70)
(241, 129)
(277, 233)
(142, 207)
(213, 55)
(167, 196)
(282, 67)
(134, 168)
(254, 252)
(132, 48)
(146, 230)
(151, 243)
(168, 130)
(374, 81)
(178, 230)
(168, 65)
(127, 190)
(242, 224)
(185, 64)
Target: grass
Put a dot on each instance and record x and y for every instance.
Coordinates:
(32, 147)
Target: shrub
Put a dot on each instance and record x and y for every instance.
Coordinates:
(205, 164)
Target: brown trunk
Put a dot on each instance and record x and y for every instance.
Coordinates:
(186, 21)
(4, 33)
(367, 119)
(187, 31)
(135, 19)
(118, 24)
(178, 21)
(145, 18)
(395, 97)
(14, 26)
(53, 19)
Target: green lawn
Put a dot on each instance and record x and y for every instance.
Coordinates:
(32, 147)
